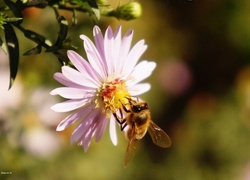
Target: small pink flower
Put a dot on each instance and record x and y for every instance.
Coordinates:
(97, 87)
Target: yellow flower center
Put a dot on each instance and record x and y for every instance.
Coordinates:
(112, 95)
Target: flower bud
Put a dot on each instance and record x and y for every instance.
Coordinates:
(102, 2)
(128, 11)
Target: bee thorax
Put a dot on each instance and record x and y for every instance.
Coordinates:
(141, 119)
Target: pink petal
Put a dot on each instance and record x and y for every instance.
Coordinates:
(101, 126)
(94, 58)
(83, 66)
(72, 118)
(99, 41)
(86, 143)
(83, 127)
(86, 139)
(77, 60)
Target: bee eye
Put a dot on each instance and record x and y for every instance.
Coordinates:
(136, 108)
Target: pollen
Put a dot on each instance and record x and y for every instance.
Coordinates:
(112, 95)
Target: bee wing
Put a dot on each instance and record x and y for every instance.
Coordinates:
(159, 137)
(130, 152)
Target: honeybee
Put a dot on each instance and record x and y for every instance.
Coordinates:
(139, 121)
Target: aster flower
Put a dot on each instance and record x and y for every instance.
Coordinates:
(96, 88)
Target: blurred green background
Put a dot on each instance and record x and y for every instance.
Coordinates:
(200, 96)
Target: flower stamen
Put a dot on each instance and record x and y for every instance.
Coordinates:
(112, 94)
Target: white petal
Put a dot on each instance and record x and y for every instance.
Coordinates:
(109, 50)
(70, 105)
(139, 89)
(126, 41)
(133, 56)
(65, 81)
(78, 77)
(142, 71)
(117, 35)
(116, 48)
(72, 93)
(124, 49)
(112, 130)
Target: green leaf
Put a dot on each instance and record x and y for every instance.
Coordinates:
(63, 30)
(96, 12)
(61, 35)
(15, 8)
(3, 46)
(13, 48)
(92, 3)
(35, 37)
(94, 8)
(74, 18)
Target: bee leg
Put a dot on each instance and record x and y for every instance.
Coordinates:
(123, 122)
(125, 108)
(133, 100)
(124, 125)
(120, 121)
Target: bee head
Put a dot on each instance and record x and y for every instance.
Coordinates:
(138, 107)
